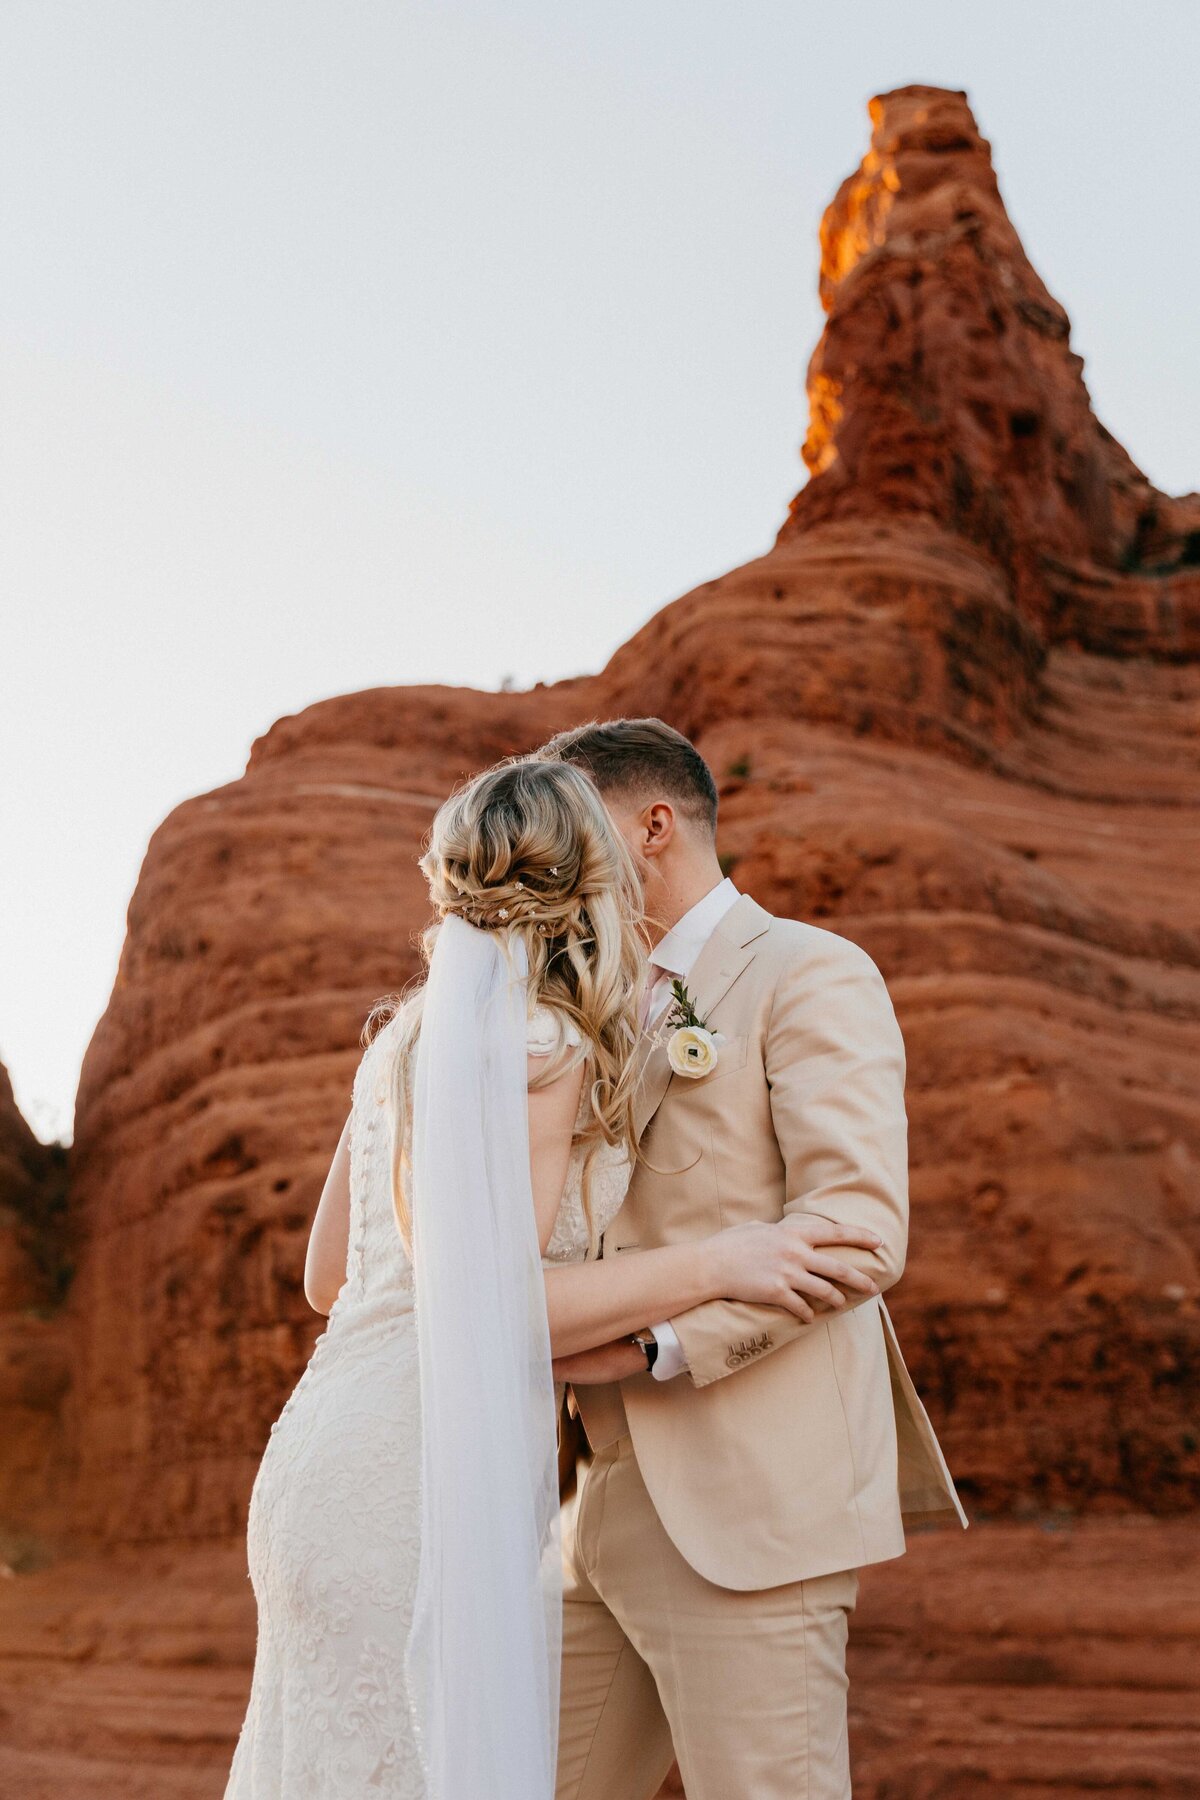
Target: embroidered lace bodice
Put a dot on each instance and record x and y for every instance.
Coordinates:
(609, 1176)
(332, 1533)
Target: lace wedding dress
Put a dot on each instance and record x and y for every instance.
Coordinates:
(333, 1529)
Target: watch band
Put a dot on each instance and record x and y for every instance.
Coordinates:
(648, 1343)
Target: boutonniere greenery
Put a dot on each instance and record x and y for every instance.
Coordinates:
(692, 1049)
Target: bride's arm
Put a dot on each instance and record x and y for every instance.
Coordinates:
(329, 1239)
(591, 1303)
(552, 1113)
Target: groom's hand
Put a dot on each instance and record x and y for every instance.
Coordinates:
(608, 1362)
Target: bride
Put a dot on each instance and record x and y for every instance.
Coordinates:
(403, 1524)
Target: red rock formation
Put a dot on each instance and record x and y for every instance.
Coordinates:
(953, 714)
(944, 388)
(268, 916)
(33, 1351)
(125, 1678)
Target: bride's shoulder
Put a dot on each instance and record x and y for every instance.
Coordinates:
(550, 1030)
(386, 1023)
(386, 1018)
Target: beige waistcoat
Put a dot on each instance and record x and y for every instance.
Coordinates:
(788, 1450)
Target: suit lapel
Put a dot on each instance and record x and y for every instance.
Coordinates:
(728, 952)
(652, 1085)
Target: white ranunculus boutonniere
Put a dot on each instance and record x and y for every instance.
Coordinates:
(692, 1049)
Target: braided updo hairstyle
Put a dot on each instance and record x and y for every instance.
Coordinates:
(528, 849)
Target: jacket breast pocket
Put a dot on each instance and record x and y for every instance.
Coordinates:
(731, 1056)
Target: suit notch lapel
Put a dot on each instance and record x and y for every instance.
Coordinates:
(712, 980)
(655, 1079)
(727, 955)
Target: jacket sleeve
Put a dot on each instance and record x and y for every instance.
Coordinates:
(835, 1065)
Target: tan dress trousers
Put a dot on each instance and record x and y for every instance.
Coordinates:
(748, 1689)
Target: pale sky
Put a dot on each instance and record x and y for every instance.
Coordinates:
(356, 343)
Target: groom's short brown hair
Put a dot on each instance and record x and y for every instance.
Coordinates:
(637, 757)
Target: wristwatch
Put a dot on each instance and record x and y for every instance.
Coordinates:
(646, 1340)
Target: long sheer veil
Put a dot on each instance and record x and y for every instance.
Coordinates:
(482, 1658)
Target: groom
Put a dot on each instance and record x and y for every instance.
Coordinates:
(746, 1462)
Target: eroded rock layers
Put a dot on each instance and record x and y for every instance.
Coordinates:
(34, 1353)
(955, 715)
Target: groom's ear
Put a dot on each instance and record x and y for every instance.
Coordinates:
(658, 827)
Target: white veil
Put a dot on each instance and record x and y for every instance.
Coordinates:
(482, 1658)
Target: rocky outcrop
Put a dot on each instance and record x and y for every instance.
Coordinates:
(966, 511)
(953, 715)
(268, 917)
(944, 388)
(34, 1358)
(126, 1677)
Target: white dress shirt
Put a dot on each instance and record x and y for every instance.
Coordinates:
(674, 959)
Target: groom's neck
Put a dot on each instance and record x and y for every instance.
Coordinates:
(681, 884)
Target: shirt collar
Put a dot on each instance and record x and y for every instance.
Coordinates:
(679, 949)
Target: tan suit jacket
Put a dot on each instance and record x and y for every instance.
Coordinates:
(790, 1450)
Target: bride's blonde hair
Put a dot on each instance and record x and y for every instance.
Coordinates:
(528, 848)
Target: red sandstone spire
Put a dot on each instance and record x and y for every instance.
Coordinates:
(944, 386)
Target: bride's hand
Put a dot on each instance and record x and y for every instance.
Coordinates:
(789, 1264)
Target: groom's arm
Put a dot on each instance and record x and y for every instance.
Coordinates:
(835, 1065)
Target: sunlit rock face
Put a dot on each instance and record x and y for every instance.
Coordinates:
(952, 712)
(945, 387)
